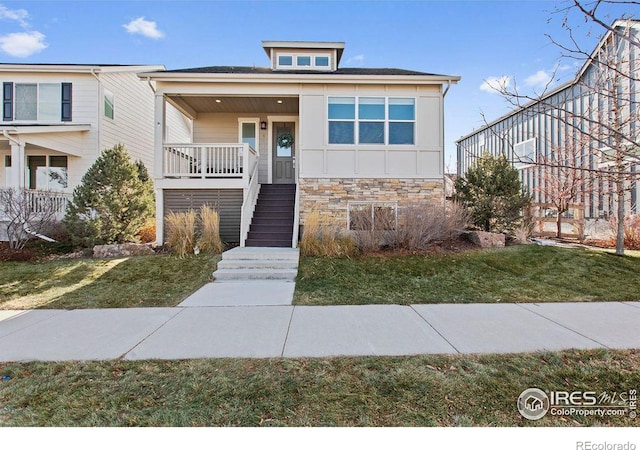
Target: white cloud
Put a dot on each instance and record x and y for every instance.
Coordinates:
(19, 15)
(357, 60)
(540, 79)
(23, 45)
(494, 85)
(144, 27)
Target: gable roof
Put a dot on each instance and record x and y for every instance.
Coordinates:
(629, 23)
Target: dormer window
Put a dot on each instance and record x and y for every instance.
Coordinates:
(302, 61)
(300, 55)
(285, 61)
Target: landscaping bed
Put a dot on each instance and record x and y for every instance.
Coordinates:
(464, 390)
(527, 273)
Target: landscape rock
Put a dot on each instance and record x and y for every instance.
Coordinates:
(484, 239)
(121, 250)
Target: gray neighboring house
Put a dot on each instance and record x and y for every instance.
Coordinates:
(528, 134)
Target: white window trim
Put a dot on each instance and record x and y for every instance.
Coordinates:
(37, 119)
(386, 120)
(517, 163)
(256, 122)
(294, 61)
(372, 204)
(106, 92)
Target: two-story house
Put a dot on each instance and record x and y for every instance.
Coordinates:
(57, 119)
(270, 144)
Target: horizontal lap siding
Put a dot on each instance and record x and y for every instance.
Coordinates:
(228, 203)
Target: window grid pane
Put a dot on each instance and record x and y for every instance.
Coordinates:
(285, 60)
(371, 132)
(50, 100)
(304, 61)
(341, 133)
(401, 133)
(26, 101)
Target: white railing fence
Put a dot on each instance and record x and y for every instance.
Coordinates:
(250, 198)
(296, 218)
(208, 160)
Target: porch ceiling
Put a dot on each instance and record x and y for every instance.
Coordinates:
(243, 105)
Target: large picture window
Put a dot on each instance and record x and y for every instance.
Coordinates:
(375, 120)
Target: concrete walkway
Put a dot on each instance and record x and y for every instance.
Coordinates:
(203, 328)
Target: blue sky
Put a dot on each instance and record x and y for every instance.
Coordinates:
(478, 40)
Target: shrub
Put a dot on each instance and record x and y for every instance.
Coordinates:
(26, 215)
(324, 239)
(181, 232)
(112, 202)
(422, 224)
(210, 231)
(631, 231)
(147, 233)
(492, 192)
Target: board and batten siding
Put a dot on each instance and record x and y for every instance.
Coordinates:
(319, 159)
(228, 203)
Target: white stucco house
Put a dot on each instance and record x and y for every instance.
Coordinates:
(270, 144)
(57, 119)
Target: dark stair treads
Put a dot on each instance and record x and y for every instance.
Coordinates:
(272, 223)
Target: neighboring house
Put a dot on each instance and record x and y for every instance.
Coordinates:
(339, 139)
(58, 118)
(537, 133)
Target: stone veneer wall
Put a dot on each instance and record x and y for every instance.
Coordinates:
(330, 196)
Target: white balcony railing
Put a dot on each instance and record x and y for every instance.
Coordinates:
(208, 160)
(34, 203)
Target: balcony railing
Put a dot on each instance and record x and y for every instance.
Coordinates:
(208, 160)
(33, 203)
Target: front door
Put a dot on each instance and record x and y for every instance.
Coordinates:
(284, 156)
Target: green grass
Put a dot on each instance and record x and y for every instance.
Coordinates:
(514, 274)
(374, 391)
(142, 281)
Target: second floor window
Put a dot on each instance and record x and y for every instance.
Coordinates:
(36, 102)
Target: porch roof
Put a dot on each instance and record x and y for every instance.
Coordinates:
(266, 70)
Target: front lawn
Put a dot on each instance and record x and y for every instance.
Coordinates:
(463, 390)
(528, 273)
(142, 281)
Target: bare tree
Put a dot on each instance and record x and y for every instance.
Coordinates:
(27, 214)
(600, 109)
(563, 182)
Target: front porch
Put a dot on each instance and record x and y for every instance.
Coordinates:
(233, 150)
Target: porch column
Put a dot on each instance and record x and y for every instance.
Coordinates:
(159, 136)
(17, 165)
(158, 162)
(159, 217)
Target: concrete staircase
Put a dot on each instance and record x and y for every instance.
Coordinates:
(258, 263)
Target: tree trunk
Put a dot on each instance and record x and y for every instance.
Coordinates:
(559, 225)
(620, 230)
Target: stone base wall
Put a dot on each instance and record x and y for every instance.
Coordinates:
(330, 196)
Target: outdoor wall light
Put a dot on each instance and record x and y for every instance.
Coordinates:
(263, 125)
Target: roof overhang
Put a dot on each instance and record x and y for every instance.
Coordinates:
(311, 78)
(18, 130)
(76, 68)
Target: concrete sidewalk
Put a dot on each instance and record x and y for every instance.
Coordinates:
(314, 331)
